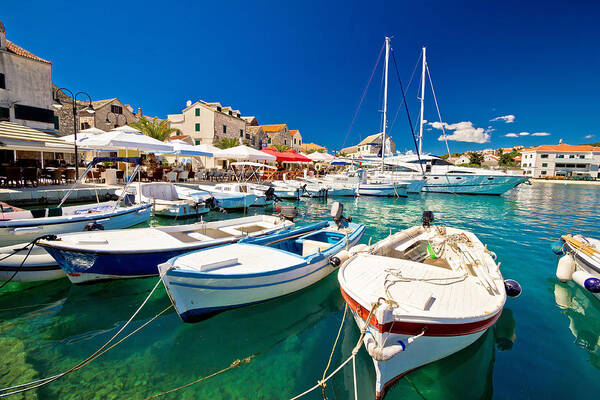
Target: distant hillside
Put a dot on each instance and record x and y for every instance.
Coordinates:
(593, 144)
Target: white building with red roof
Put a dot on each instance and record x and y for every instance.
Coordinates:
(25, 86)
(561, 160)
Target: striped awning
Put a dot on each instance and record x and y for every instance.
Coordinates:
(8, 130)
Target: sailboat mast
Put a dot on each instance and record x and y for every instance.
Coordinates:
(385, 90)
(422, 101)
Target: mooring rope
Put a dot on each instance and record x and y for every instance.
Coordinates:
(42, 382)
(235, 364)
(332, 351)
(355, 350)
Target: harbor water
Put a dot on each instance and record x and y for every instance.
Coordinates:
(545, 345)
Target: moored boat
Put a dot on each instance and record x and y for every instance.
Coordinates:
(120, 254)
(165, 200)
(421, 295)
(581, 263)
(205, 282)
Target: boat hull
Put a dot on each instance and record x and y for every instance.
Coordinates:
(196, 296)
(471, 183)
(583, 262)
(383, 190)
(183, 210)
(38, 265)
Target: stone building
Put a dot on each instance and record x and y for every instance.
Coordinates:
(206, 122)
(296, 139)
(312, 147)
(256, 137)
(25, 86)
(369, 146)
(561, 160)
(109, 114)
(277, 134)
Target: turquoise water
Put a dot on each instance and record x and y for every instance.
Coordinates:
(545, 345)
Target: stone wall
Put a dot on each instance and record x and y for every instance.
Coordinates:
(235, 127)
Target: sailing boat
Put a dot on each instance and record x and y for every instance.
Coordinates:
(442, 176)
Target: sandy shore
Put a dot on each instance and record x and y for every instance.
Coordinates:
(564, 181)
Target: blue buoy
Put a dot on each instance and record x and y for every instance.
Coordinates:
(592, 284)
(557, 248)
(513, 288)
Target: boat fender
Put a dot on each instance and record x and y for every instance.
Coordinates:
(557, 248)
(513, 288)
(587, 281)
(358, 248)
(382, 353)
(565, 268)
(339, 258)
(493, 255)
(93, 226)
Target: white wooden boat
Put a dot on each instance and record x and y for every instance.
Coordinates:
(165, 200)
(581, 263)
(244, 189)
(285, 191)
(427, 292)
(120, 254)
(226, 198)
(16, 234)
(205, 282)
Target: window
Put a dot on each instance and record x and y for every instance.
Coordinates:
(56, 122)
(239, 115)
(116, 109)
(543, 172)
(197, 112)
(269, 141)
(544, 156)
(572, 156)
(582, 156)
(218, 108)
(4, 114)
(560, 156)
(197, 141)
(224, 128)
(2, 82)
(285, 142)
(197, 127)
(230, 112)
(85, 125)
(544, 164)
(34, 114)
(241, 133)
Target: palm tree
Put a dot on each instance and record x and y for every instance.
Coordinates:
(156, 129)
(281, 147)
(225, 143)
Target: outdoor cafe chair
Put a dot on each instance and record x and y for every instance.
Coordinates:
(32, 175)
(70, 175)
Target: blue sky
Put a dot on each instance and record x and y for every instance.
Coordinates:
(306, 63)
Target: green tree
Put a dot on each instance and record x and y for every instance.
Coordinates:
(156, 129)
(475, 158)
(226, 143)
(508, 159)
(281, 147)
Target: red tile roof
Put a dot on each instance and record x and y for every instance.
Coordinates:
(294, 131)
(273, 127)
(13, 48)
(563, 147)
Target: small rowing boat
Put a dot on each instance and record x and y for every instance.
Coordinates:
(421, 295)
(206, 282)
(581, 262)
(165, 200)
(120, 254)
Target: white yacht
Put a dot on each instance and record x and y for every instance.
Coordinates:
(444, 177)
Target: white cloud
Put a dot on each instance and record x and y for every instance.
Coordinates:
(511, 135)
(589, 136)
(540, 134)
(506, 118)
(524, 134)
(463, 132)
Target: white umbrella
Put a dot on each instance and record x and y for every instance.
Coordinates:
(125, 140)
(320, 157)
(126, 128)
(83, 134)
(244, 153)
(182, 148)
(209, 148)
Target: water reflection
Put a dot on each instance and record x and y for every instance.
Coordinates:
(583, 311)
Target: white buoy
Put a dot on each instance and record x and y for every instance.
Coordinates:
(565, 268)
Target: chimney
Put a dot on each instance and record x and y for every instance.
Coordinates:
(2, 37)
(140, 112)
(188, 103)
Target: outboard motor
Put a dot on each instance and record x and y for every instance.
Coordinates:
(93, 226)
(270, 194)
(337, 213)
(427, 218)
(211, 204)
(288, 212)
